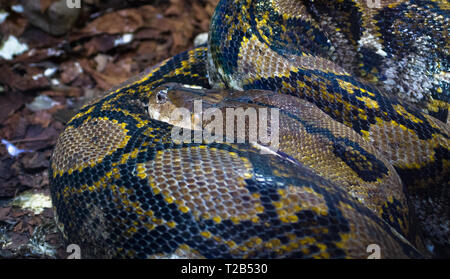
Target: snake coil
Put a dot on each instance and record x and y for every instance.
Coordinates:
(363, 157)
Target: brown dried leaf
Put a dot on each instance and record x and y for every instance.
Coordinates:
(84, 81)
(176, 8)
(101, 43)
(10, 187)
(22, 82)
(35, 220)
(14, 127)
(33, 161)
(27, 180)
(114, 74)
(41, 117)
(123, 21)
(36, 38)
(70, 71)
(5, 168)
(147, 33)
(4, 211)
(17, 212)
(14, 101)
(48, 136)
(13, 25)
(36, 55)
(19, 226)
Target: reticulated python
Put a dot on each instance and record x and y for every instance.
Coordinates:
(363, 155)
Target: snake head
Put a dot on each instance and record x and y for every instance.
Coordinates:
(170, 98)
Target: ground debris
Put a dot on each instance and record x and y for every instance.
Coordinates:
(65, 65)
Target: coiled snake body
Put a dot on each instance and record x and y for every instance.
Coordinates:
(356, 165)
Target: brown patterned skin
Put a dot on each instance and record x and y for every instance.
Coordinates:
(122, 187)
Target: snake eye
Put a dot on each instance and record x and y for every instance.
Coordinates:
(161, 96)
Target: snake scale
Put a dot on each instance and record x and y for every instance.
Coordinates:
(363, 157)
